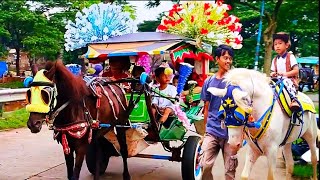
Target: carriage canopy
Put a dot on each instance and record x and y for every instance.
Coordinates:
(151, 43)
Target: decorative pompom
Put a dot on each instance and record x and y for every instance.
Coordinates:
(145, 61)
(184, 72)
(97, 23)
(91, 71)
(98, 68)
(182, 117)
(168, 71)
(27, 81)
(74, 68)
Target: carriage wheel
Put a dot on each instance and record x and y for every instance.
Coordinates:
(190, 166)
(91, 159)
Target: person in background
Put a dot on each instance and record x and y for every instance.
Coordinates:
(175, 80)
(119, 68)
(136, 72)
(216, 138)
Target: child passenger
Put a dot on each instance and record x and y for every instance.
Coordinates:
(161, 104)
(285, 65)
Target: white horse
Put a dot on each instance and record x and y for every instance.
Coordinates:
(254, 96)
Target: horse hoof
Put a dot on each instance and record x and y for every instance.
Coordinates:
(127, 177)
(244, 178)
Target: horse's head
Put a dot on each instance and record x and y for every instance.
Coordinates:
(52, 88)
(41, 97)
(234, 111)
(243, 86)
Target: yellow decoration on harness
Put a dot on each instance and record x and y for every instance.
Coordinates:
(221, 113)
(239, 114)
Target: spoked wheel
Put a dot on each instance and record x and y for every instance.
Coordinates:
(190, 166)
(91, 159)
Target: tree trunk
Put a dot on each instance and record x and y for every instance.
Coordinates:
(18, 61)
(267, 38)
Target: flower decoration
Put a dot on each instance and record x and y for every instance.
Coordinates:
(97, 23)
(204, 22)
(144, 61)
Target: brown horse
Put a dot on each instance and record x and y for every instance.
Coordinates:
(72, 108)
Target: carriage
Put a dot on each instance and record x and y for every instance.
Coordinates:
(159, 46)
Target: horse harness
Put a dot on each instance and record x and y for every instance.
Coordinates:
(78, 129)
(233, 116)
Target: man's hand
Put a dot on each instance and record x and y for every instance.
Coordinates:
(283, 74)
(273, 74)
(201, 140)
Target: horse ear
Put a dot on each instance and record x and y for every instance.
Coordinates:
(48, 65)
(50, 70)
(240, 98)
(34, 69)
(217, 92)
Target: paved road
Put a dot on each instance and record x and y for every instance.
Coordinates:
(36, 156)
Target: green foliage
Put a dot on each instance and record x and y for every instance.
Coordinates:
(28, 31)
(303, 171)
(13, 85)
(15, 119)
(148, 26)
(298, 19)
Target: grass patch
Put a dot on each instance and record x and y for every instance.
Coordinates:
(303, 171)
(15, 119)
(311, 92)
(13, 85)
(317, 108)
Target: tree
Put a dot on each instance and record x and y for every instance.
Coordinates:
(22, 29)
(298, 19)
(150, 26)
(277, 18)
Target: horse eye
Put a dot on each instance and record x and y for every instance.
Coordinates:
(28, 97)
(45, 96)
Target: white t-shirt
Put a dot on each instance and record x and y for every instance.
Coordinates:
(171, 91)
(281, 63)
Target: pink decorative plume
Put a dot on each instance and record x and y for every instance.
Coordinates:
(145, 61)
(182, 117)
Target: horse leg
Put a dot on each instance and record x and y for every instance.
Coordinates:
(311, 140)
(80, 153)
(121, 136)
(70, 163)
(98, 159)
(287, 152)
(272, 158)
(251, 158)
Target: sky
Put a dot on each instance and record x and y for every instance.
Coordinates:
(143, 13)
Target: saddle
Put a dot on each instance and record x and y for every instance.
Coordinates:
(93, 82)
(284, 100)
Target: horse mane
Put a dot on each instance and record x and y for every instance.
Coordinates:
(72, 87)
(238, 76)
